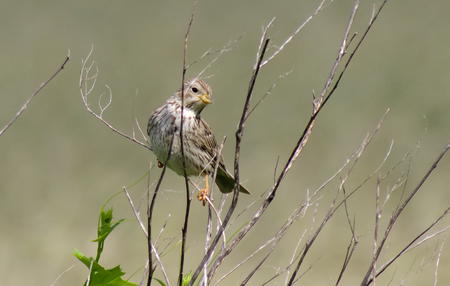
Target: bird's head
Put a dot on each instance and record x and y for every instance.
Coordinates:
(197, 94)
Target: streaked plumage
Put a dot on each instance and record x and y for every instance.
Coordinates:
(200, 146)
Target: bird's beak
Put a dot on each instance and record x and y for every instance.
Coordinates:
(205, 98)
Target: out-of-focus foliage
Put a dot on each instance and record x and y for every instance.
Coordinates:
(58, 164)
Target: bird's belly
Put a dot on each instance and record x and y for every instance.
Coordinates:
(160, 146)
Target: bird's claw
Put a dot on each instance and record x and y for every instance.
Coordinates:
(203, 195)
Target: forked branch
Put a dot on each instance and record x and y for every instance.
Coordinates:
(88, 78)
(318, 105)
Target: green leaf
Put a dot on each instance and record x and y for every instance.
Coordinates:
(100, 276)
(105, 225)
(109, 277)
(186, 279)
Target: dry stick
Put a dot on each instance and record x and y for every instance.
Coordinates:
(293, 258)
(146, 268)
(301, 141)
(85, 91)
(410, 245)
(135, 211)
(36, 92)
(305, 205)
(332, 210)
(188, 197)
(437, 263)
(398, 212)
(212, 207)
(352, 54)
(150, 212)
(218, 52)
(67, 270)
(287, 268)
(153, 247)
(348, 255)
(291, 36)
(276, 239)
(227, 48)
(266, 94)
(299, 145)
(272, 241)
(355, 156)
(250, 275)
(239, 134)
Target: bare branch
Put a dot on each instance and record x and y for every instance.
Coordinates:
(225, 49)
(437, 263)
(268, 92)
(140, 130)
(291, 36)
(62, 273)
(331, 211)
(318, 105)
(135, 211)
(238, 134)
(217, 213)
(273, 241)
(367, 279)
(186, 181)
(348, 255)
(150, 207)
(88, 79)
(264, 36)
(411, 245)
(34, 94)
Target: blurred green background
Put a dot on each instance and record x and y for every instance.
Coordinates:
(58, 165)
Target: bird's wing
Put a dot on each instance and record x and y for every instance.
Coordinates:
(151, 122)
(208, 142)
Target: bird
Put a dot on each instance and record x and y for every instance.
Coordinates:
(200, 147)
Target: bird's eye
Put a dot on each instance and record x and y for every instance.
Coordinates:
(194, 89)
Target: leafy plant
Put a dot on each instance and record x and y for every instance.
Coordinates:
(99, 275)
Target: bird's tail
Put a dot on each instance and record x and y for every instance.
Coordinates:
(225, 182)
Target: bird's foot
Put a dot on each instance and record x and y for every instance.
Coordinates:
(203, 195)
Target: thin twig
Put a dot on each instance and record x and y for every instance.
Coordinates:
(438, 258)
(238, 134)
(268, 92)
(135, 211)
(86, 84)
(331, 211)
(348, 255)
(291, 36)
(411, 245)
(186, 181)
(150, 207)
(303, 139)
(144, 276)
(62, 273)
(212, 207)
(34, 94)
(273, 241)
(398, 212)
(250, 275)
(227, 48)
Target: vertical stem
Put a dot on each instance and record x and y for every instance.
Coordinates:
(186, 182)
(150, 214)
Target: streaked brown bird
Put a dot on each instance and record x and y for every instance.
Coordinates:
(200, 146)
